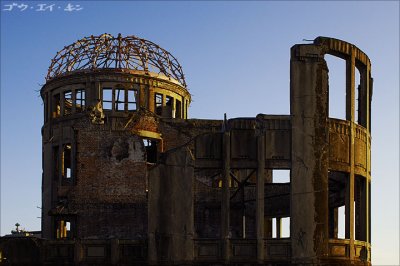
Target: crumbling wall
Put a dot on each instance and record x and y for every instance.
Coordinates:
(110, 195)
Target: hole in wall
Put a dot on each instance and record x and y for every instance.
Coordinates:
(280, 176)
(337, 86)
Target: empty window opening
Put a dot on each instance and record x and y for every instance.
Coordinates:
(132, 95)
(276, 227)
(158, 103)
(67, 103)
(56, 110)
(107, 99)
(80, 100)
(119, 99)
(280, 176)
(356, 96)
(66, 162)
(178, 112)
(337, 86)
(63, 229)
(151, 150)
(285, 227)
(341, 222)
(232, 183)
(169, 107)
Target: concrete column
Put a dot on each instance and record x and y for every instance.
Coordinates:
(267, 221)
(278, 226)
(91, 92)
(73, 109)
(366, 199)
(62, 103)
(364, 100)
(333, 222)
(225, 201)
(114, 251)
(170, 210)
(150, 97)
(260, 197)
(350, 111)
(357, 209)
(142, 97)
(363, 221)
(173, 108)
(78, 252)
(309, 173)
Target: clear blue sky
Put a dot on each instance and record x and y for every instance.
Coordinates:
(236, 59)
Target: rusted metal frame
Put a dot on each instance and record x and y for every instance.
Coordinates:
(104, 50)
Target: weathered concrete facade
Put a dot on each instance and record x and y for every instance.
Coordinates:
(129, 179)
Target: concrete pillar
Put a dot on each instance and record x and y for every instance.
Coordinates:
(363, 221)
(260, 197)
(170, 210)
(350, 116)
(114, 251)
(143, 101)
(225, 201)
(367, 79)
(78, 252)
(357, 209)
(267, 221)
(278, 225)
(150, 97)
(309, 173)
(173, 114)
(333, 222)
(62, 104)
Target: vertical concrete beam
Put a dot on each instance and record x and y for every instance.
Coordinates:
(173, 107)
(47, 189)
(78, 252)
(62, 104)
(91, 94)
(170, 210)
(350, 111)
(267, 221)
(363, 219)
(260, 197)
(368, 87)
(357, 209)
(225, 201)
(151, 99)
(309, 173)
(278, 226)
(143, 101)
(333, 222)
(114, 251)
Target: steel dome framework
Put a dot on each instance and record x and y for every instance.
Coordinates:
(106, 51)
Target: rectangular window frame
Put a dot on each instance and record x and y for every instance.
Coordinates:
(56, 105)
(68, 102)
(107, 103)
(158, 103)
(80, 100)
(119, 94)
(131, 103)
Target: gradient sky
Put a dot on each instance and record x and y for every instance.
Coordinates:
(235, 56)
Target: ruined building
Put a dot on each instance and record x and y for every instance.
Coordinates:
(129, 179)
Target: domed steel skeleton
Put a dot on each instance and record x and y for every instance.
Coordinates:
(106, 51)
